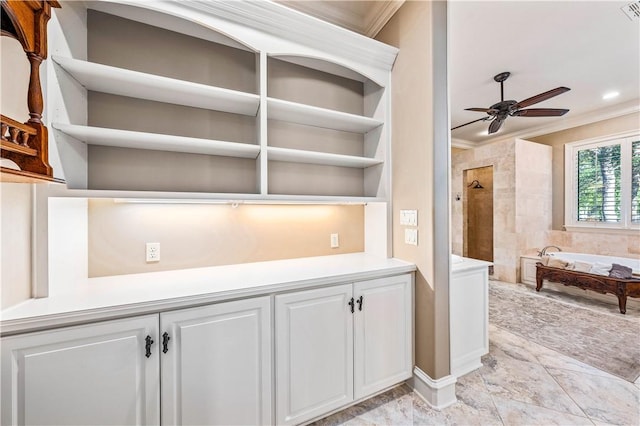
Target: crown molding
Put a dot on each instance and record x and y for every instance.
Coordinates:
(462, 143)
(329, 12)
(379, 15)
(296, 27)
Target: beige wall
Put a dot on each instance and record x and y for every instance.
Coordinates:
(558, 139)
(613, 244)
(410, 29)
(202, 235)
(15, 235)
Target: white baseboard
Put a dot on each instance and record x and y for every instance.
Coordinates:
(439, 394)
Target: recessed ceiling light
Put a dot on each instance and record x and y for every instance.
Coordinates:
(610, 95)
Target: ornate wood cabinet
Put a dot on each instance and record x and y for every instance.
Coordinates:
(26, 144)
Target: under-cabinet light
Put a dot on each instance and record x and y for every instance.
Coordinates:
(610, 95)
(233, 203)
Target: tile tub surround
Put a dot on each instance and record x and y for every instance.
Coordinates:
(621, 245)
(564, 391)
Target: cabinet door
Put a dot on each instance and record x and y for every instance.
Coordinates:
(91, 374)
(383, 333)
(314, 353)
(217, 368)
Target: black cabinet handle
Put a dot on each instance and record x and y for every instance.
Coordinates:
(351, 304)
(165, 342)
(360, 303)
(148, 342)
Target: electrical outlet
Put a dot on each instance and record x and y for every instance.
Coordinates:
(335, 243)
(153, 252)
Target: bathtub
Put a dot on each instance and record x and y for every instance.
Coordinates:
(634, 264)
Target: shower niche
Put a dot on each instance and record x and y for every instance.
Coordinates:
(478, 213)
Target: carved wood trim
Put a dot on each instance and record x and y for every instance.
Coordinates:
(27, 144)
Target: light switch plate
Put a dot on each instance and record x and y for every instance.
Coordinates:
(411, 237)
(409, 217)
(335, 242)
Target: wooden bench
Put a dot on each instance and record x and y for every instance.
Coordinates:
(586, 281)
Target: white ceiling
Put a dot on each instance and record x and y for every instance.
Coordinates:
(592, 47)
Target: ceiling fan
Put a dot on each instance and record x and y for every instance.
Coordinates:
(502, 110)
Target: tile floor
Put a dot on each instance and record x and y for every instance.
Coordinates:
(520, 383)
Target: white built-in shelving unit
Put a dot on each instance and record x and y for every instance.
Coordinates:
(83, 84)
(123, 82)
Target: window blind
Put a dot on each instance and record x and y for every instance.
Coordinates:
(598, 184)
(635, 182)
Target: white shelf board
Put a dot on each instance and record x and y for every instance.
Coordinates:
(324, 158)
(134, 84)
(279, 109)
(158, 142)
(214, 198)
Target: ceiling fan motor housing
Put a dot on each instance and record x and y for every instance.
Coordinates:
(502, 108)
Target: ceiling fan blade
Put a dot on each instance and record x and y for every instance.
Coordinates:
(541, 97)
(471, 122)
(479, 109)
(495, 125)
(540, 112)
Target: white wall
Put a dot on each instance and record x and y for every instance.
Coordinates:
(15, 250)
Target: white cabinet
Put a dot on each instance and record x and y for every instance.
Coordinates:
(469, 315)
(383, 333)
(217, 368)
(528, 269)
(214, 364)
(214, 361)
(90, 374)
(339, 344)
(314, 352)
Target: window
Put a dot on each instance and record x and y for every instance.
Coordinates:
(602, 179)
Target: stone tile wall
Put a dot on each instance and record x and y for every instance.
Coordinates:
(623, 245)
(521, 200)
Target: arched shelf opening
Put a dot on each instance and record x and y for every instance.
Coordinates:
(331, 67)
(173, 18)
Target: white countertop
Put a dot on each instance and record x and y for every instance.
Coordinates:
(134, 294)
(459, 263)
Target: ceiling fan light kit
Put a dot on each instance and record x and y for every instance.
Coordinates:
(502, 110)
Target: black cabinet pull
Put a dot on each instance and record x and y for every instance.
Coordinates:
(148, 342)
(165, 342)
(360, 303)
(351, 304)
